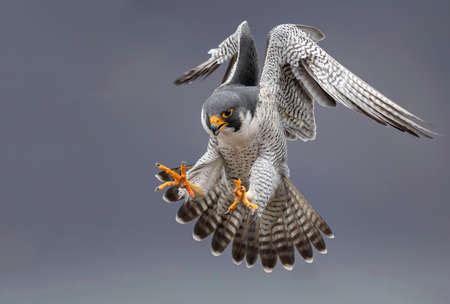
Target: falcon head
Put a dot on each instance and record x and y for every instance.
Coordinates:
(229, 110)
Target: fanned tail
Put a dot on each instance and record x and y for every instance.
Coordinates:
(287, 222)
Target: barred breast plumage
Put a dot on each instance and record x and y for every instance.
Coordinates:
(238, 161)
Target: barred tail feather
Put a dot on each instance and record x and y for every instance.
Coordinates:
(309, 224)
(266, 249)
(282, 239)
(302, 243)
(308, 228)
(269, 217)
(313, 216)
(190, 210)
(315, 238)
(252, 242)
(210, 219)
(238, 248)
(193, 208)
(226, 230)
(206, 224)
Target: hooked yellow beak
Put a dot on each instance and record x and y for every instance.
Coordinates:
(216, 124)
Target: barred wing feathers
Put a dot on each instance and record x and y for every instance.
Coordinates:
(292, 49)
(239, 49)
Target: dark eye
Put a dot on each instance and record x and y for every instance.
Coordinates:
(228, 113)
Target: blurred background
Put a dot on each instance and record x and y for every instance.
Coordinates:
(88, 105)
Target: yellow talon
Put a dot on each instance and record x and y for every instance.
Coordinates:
(233, 206)
(167, 184)
(179, 180)
(240, 196)
(249, 204)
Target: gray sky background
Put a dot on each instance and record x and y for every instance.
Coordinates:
(88, 106)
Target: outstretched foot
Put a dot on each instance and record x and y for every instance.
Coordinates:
(179, 180)
(240, 196)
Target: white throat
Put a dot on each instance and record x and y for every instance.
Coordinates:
(244, 136)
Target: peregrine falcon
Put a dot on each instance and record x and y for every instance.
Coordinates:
(239, 190)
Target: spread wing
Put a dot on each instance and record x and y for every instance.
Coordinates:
(297, 72)
(240, 49)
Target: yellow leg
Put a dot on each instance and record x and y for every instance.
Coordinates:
(166, 185)
(183, 169)
(233, 206)
(240, 195)
(169, 171)
(179, 180)
(249, 204)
